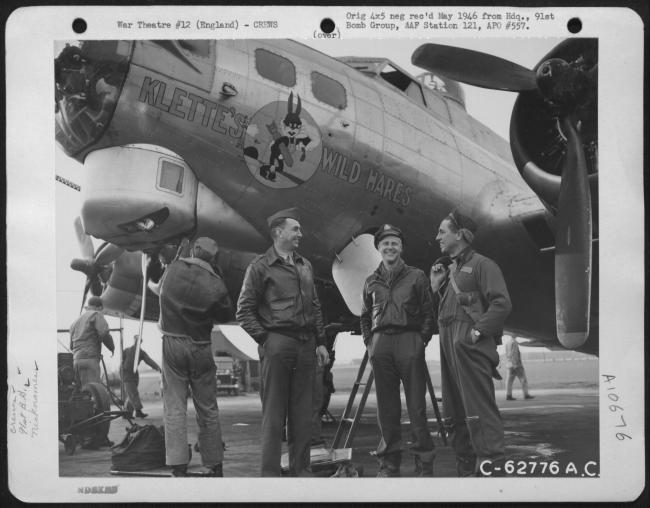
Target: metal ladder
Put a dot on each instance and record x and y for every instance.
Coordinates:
(353, 421)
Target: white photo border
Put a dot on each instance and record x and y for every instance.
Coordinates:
(33, 461)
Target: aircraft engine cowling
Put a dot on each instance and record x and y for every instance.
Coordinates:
(537, 137)
(138, 196)
(554, 142)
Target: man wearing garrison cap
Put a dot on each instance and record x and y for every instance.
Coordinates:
(193, 297)
(397, 324)
(87, 334)
(278, 307)
(473, 306)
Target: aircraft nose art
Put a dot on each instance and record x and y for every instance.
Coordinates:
(283, 145)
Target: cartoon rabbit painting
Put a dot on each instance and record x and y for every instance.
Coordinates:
(296, 137)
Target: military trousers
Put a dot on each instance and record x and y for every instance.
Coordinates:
(394, 358)
(470, 411)
(87, 370)
(188, 363)
(317, 403)
(288, 367)
(516, 372)
(132, 395)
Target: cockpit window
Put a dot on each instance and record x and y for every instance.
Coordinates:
(328, 90)
(404, 82)
(275, 67)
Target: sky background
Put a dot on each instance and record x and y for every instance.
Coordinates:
(488, 106)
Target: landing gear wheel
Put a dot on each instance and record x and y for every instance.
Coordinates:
(97, 435)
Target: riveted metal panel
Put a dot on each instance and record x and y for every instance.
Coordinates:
(436, 104)
(460, 121)
(370, 115)
(439, 131)
(478, 155)
(369, 143)
(431, 148)
(177, 60)
(392, 103)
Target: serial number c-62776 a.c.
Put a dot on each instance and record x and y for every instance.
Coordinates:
(539, 468)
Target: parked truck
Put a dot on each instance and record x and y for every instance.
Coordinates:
(227, 378)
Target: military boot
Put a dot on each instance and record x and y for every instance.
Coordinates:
(423, 469)
(179, 470)
(388, 473)
(216, 471)
(465, 466)
(389, 468)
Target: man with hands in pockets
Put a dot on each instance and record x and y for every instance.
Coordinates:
(397, 324)
(473, 306)
(278, 307)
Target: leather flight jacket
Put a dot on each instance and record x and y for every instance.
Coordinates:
(397, 302)
(280, 297)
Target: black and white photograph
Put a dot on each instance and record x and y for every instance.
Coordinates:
(347, 243)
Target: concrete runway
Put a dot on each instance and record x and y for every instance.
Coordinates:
(554, 434)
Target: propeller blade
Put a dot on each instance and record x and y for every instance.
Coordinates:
(107, 253)
(85, 243)
(474, 68)
(145, 262)
(85, 293)
(573, 244)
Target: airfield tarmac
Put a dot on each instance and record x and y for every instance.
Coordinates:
(560, 425)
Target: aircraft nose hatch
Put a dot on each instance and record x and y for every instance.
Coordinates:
(352, 266)
(88, 83)
(138, 195)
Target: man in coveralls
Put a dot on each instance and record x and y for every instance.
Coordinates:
(131, 379)
(278, 307)
(192, 298)
(87, 334)
(397, 324)
(468, 352)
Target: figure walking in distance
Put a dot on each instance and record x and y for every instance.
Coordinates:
(131, 379)
(515, 369)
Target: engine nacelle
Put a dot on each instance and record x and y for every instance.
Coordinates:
(537, 138)
(136, 196)
(538, 144)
